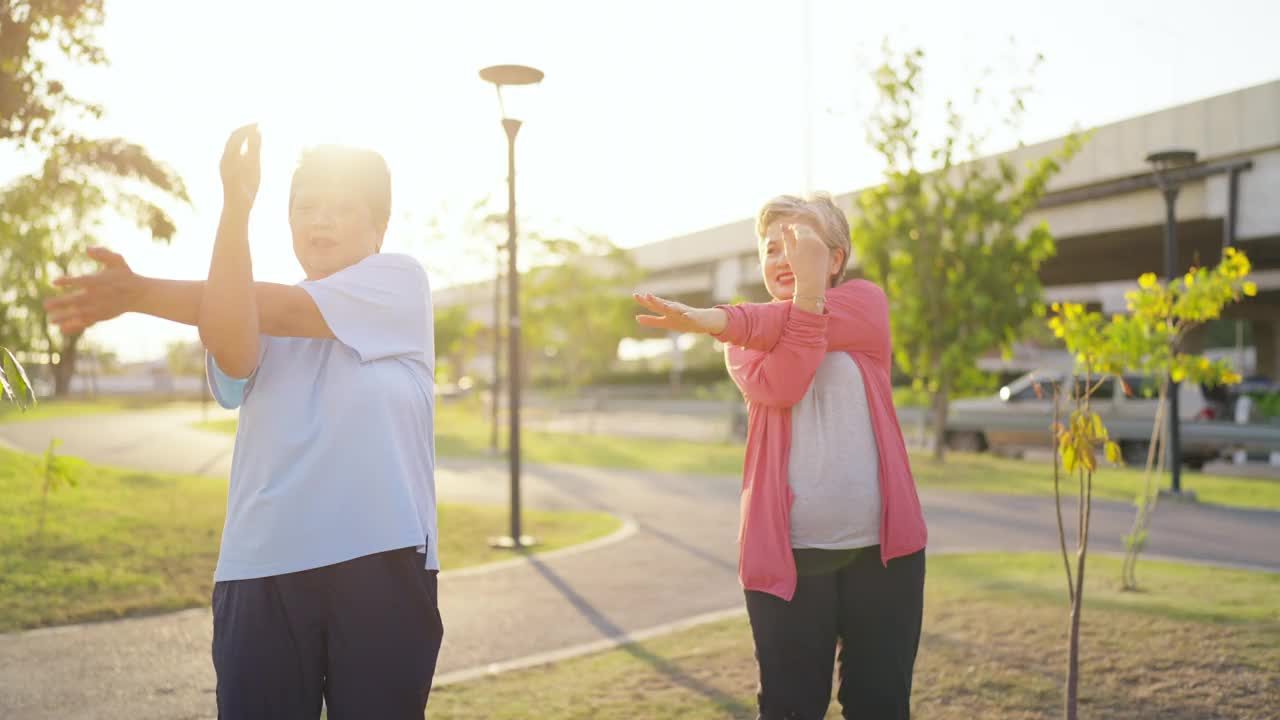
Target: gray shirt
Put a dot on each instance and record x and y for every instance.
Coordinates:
(834, 468)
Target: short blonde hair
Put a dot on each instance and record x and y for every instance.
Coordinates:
(818, 211)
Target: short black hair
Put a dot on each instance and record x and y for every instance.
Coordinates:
(365, 171)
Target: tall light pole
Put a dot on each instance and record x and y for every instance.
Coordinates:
(503, 76)
(1163, 164)
(806, 38)
(495, 390)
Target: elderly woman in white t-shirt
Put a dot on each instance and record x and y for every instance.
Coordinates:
(326, 579)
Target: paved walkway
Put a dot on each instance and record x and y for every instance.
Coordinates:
(680, 562)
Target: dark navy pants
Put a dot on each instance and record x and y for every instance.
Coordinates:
(363, 634)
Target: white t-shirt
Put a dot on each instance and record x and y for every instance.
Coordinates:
(834, 468)
(335, 451)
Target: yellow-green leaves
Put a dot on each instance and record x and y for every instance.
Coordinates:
(1099, 431)
(1068, 456)
(1146, 340)
(1080, 439)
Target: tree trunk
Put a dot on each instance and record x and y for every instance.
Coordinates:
(1073, 659)
(65, 368)
(940, 405)
(1146, 502)
(1077, 604)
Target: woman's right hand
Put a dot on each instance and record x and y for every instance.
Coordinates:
(679, 317)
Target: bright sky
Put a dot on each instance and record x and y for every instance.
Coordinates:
(655, 118)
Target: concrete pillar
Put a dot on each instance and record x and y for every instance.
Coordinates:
(726, 278)
(1266, 342)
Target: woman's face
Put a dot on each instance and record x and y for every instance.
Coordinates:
(332, 230)
(778, 278)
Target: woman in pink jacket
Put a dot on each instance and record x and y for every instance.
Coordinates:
(831, 540)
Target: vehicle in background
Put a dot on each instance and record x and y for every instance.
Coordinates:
(1018, 418)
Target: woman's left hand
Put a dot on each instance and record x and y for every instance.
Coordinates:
(679, 317)
(108, 293)
(809, 258)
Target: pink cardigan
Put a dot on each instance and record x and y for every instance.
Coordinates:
(773, 351)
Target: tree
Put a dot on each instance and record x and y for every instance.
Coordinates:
(455, 339)
(578, 307)
(31, 102)
(49, 218)
(477, 235)
(946, 245)
(1076, 444)
(574, 289)
(1149, 340)
(185, 358)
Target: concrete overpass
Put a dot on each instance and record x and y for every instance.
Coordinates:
(1103, 208)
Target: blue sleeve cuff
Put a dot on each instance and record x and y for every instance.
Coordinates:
(228, 391)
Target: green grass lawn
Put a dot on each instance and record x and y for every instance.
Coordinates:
(125, 542)
(50, 409)
(991, 474)
(1195, 643)
(462, 431)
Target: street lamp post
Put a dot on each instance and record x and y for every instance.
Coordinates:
(502, 76)
(1162, 163)
(495, 390)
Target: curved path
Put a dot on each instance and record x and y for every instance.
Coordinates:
(678, 563)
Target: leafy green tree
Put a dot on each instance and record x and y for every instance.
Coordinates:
(578, 306)
(574, 287)
(946, 243)
(49, 218)
(456, 335)
(33, 103)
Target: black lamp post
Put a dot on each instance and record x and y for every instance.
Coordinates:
(1163, 163)
(495, 392)
(512, 76)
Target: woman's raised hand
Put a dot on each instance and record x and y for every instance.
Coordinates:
(808, 256)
